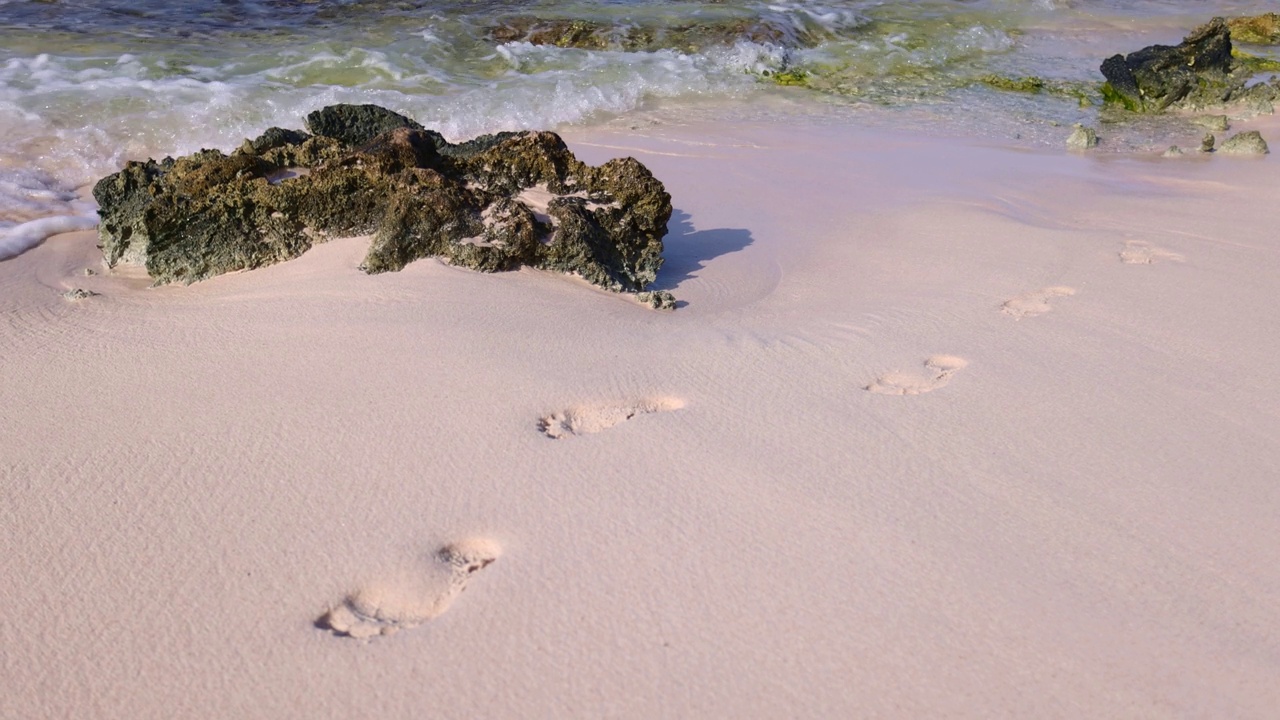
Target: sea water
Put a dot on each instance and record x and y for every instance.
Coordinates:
(88, 85)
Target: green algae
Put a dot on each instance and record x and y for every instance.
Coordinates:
(1083, 93)
(1113, 97)
(789, 77)
(1014, 84)
(1254, 64)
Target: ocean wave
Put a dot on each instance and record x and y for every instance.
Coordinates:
(18, 239)
(77, 100)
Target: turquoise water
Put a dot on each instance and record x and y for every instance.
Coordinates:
(85, 86)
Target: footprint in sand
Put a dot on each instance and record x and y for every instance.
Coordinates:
(593, 419)
(384, 608)
(940, 367)
(1034, 303)
(1137, 252)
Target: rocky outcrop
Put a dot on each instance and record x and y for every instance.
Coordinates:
(494, 203)
(1155, 77)
(1200, 73)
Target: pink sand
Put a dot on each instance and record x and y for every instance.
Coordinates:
(944, 429)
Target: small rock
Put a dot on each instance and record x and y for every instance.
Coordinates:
(1217, 123)
(78, 294)
(657, 299)
(89, 272)
(1206, 145)
(1249, 142)
(1173, 151)
(1082, 137)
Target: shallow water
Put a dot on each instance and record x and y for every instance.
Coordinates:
(86, 86)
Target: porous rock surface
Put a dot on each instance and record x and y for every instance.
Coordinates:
(494, 203)
(1200, 72)
(1249, 142)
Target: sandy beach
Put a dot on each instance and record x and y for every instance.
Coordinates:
(942, 428)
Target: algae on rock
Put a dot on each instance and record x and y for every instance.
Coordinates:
(1201, 72)
(1257, 29)
(494, 203)
(648, 37)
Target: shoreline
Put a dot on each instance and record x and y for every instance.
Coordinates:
(945, 427)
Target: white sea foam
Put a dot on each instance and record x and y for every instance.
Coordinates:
(21, 238)
(26, 194)
(72, 113)
(67, 121)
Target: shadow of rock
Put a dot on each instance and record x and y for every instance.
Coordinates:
(687, 250)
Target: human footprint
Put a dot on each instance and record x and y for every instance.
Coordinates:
(1034, 303)
(941, 369)
(385, 608)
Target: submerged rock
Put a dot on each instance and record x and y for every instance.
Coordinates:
(494, 203)
(632, 37)
(1249, 142)
(1031, 85)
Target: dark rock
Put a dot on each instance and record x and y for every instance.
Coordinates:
(271, 139)
(1158, 76)
(356, 124)
(493, 203)
(1206, 143)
